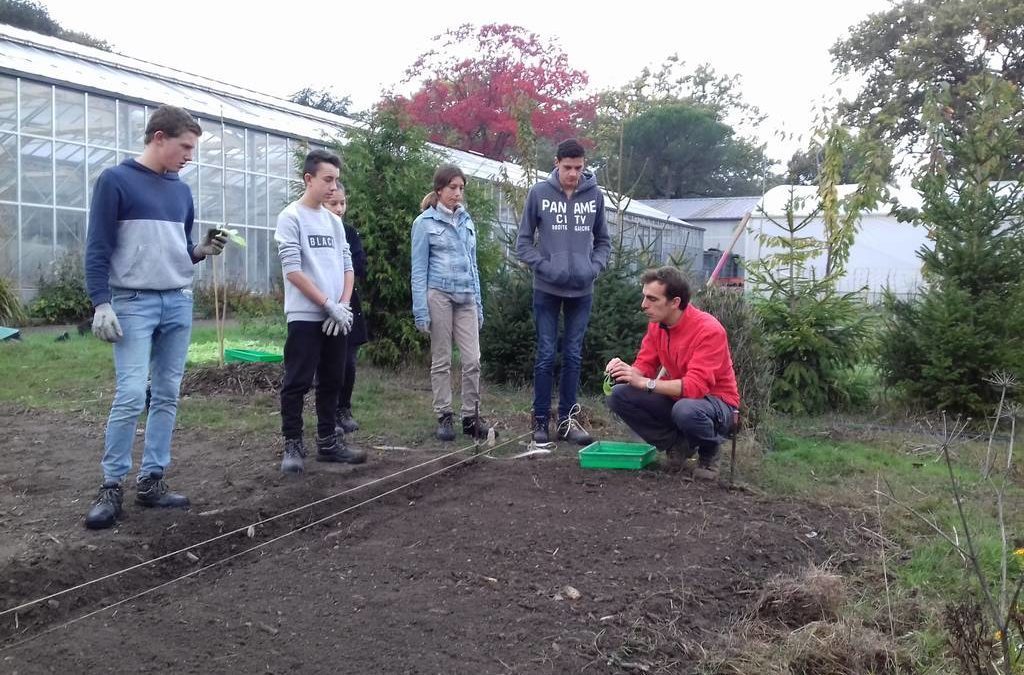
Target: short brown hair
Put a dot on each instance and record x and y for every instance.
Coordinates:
(171, 120)
(675, 283)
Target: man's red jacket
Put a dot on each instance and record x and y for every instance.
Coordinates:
(694, 350)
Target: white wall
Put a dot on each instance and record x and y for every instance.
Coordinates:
(884, 253)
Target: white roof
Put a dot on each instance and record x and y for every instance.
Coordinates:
(59, 61)
(47, 58)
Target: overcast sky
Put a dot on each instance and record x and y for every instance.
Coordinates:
(360, 49)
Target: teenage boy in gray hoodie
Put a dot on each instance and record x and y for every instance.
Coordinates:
(564, 239)
(318, 282)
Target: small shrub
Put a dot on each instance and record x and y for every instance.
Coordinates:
(62, 297)
(241, 302)
(751, 359)
(509, 338)
(965, 323)
(12, 312)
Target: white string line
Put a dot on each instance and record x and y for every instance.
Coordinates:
(248, 550)
(243, 528)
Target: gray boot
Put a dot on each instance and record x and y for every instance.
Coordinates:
(346, 422)
(292, 460)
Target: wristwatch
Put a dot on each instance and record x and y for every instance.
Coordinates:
(651, 382)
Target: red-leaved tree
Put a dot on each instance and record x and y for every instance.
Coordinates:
(476, 83)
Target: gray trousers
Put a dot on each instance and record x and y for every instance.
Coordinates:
(702, 423)
(450, 320)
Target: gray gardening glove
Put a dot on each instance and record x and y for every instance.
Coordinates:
(423, 327)
(341, 312)
(213, 244)
(105, 325)
(331, 328)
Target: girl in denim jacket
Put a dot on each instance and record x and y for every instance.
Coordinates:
(446, 301)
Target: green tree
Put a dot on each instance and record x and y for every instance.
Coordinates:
(904, 51)
(682, 150)
(322, 99)
(387, 168)
(816, 334)
(33, 16)
(966, 324)
(626, 168)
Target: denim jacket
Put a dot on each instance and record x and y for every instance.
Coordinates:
(443, 257)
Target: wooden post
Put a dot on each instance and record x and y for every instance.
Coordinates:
(728, 249)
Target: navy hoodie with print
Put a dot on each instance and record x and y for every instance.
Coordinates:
(572, 245)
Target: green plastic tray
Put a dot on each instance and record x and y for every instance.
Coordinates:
(251, 356)
(616, 455)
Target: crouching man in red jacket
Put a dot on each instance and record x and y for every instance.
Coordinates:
(691, 410)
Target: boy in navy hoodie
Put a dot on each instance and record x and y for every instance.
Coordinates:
(564, 239)
(138, 272)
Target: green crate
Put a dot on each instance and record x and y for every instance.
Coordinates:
(616, 455)
(250, 356)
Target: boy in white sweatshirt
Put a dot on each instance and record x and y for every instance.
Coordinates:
(318, 281)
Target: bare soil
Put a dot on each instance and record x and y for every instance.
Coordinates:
(494, 566)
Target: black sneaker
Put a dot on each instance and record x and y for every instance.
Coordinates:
(540, 430)
(345, 421)
(294, 451)
(476, 427)
(152, 490)
(445, 428)
(334, 449)
(106, 508)
(571, 430)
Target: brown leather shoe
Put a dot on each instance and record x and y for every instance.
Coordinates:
(707, 468)
(677, 456)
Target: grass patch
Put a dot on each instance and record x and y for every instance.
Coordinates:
(394, 408)
(203, 351)
(925, 572)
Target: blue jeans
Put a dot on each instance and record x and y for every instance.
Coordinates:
(157, 327)
(546, 308)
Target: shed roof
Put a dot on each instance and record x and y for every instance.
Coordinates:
(706, 208)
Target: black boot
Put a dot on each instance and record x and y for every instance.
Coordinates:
(476, 427)
(540, 430)
(445, 428)
(334, 449)
(345, 421)
(151, 490)
(106, 508)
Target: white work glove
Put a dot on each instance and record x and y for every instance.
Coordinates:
(341, 312)
(105, 325)
(213, 244)
(331, 328)
(423, 327)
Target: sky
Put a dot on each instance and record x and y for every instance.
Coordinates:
(780, 49)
